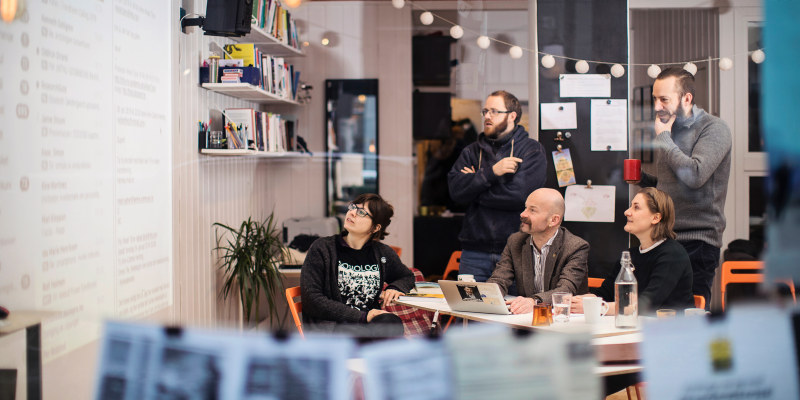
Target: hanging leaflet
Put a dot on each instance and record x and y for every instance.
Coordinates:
(584, 85)
(559, 116)
(609, 125)
(565, 172)
(589, 204)
(748, 355)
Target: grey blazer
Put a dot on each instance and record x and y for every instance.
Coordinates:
(565, 269)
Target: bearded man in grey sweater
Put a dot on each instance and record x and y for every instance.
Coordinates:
(693, 164)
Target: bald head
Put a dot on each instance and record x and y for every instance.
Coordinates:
(543, 213)
(550, 200)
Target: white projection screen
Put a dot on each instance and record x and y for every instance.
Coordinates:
(85, 164)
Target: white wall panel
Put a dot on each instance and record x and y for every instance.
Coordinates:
(228, 190)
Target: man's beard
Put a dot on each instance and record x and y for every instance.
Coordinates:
(495, 130)
(665, 115)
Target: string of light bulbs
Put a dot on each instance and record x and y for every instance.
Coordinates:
(581, 65)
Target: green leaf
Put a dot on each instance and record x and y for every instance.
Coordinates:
(249, 258)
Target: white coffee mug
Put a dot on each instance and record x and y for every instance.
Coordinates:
(466, 278)
(694, 312)
(593, 309)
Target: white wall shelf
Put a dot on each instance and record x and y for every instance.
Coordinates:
(248, 92)
(269, 44)
(254, 153)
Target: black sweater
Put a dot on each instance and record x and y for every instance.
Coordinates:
(495, 201)
(323, 306)
(664, 277)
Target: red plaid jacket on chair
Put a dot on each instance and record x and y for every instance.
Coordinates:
(415, 321)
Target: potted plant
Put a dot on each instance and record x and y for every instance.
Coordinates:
(250, 258)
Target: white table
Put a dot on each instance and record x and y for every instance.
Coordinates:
(576, 324)
(612, 344)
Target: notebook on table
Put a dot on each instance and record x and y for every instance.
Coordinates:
(479, 297)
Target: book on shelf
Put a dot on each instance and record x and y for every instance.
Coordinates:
(247, 52)
(276, 20)
(260, 130)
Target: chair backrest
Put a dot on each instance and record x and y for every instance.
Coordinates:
(296, 307)
(596, 282)
(452, 265)
(732, 273)
(398, 250)
(699, 302)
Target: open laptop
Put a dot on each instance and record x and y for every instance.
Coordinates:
(479, 297)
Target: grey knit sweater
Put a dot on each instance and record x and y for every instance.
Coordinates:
(693, 163)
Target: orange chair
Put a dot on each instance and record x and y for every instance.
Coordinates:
(731, 273)
(296, 307)
(638, 388)
(398, 250)
(452, 265)
(596, 282)
(699, 302)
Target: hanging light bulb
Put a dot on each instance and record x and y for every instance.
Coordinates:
(582, 67)
(617, 70)
(725, 63)
(426, 18)
(292, 3)
(456, 32)
(691, 68)
(398, 4)
(515, 52)
(653, 71)
(484, 42)
(758, 56)
(548, 61)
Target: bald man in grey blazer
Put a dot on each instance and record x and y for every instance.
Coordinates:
(543, 257)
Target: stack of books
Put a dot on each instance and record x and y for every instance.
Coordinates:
(276, 75)
(272, 17)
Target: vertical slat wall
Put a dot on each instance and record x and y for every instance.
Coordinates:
(373, 40)
(672, 35)
(224, 189)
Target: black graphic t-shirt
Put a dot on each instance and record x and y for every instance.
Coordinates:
(359, 275)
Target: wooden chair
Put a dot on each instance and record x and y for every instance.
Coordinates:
(596, 282)
(398, 250)
(732, 273)
(452, 265)
(699, 302)
(296, 307)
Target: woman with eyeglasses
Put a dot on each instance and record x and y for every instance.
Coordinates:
(343, 275)
(661, 265)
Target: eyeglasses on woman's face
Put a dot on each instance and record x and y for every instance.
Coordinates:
(360, 211)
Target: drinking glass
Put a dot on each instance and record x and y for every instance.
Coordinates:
(561, 302)
(665, 313)
(542, 314)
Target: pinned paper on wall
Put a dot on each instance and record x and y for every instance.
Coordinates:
(584, 85)
(726, 358)
(589, 203)
(565, 173)
(609, 125)
(559, 116)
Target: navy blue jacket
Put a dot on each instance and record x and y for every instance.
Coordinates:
(495, 202)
